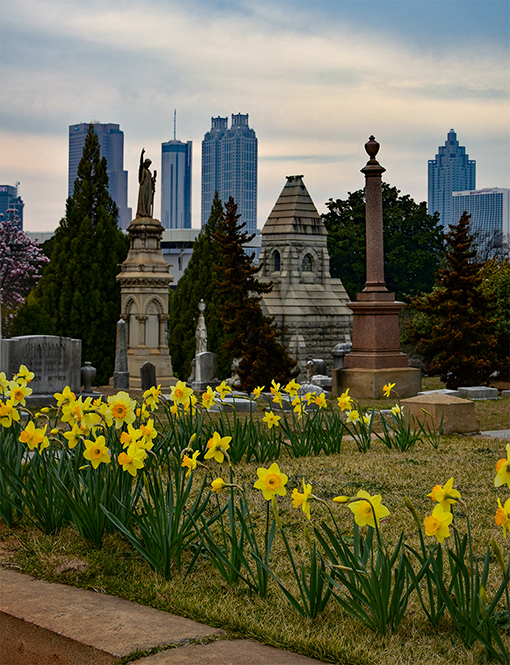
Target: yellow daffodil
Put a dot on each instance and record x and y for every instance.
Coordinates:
(271, 481)
(310, 397)
(34, 437)
(132, 460)
(122, 408)
(321, 401)
(190, 462)
(97, 452)
(299, 406)
(366, 418)
(141, 412)
(275, 387)
(223, 390)
(152, 397)
(437, 524)
(502, 516)
(8, 413)
(344, 401)
(24, 375)
(208, 398)
(218, 485)
(217, 446)
(445, 496)
(258, 391)
(292, 388)
(397, 410)
(503, 470)
(342, 499)
(352, 416)
(19, 392)
(73, 436)
(368, 510)
(271, 419)
(301, 499)
(65, 397)
(149, 433)
(277, 398)
(131, 436)
(180, 393)
(4, 384)
(388, 388)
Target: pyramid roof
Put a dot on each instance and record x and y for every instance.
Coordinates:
(294, 212)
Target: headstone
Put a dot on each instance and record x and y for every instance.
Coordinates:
(206, 371)
(339, 352)
(148, 376)
(315, 366)
(478, 392)
(323, 381)
(442, 391)
(55, 362)
(458, 414)
(121, 374)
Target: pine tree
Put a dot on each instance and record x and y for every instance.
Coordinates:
(198, 282)
(457, 334)
(78, 291)
(251, 336)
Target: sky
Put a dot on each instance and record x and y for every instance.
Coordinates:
(317, 78)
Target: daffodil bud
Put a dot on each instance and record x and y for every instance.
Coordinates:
(499, 555)
(412, 509)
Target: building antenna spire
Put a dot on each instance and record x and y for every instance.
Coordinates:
(175, 123)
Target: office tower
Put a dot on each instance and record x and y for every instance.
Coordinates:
(451, 171)
(229, 166)
(111, 142)
(489, 210)
(176, 184)
(10, 200)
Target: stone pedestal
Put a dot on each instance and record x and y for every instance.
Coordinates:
(206, 371)
(144, 282)
(458, 414)
(369, 383)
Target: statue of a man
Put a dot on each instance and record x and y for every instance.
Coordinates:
(147, 187)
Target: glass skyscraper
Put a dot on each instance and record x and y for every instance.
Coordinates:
(111, 141)
(176, 184)
(229, 166)
(10, 200)
(451, 171)
(489, 210)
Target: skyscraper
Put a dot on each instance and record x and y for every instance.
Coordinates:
(229, 166)
(176, 184)
(489, 209)
(111, 141)
(10, 200)
(451, 171)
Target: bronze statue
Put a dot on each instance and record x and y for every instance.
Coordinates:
(147, 188)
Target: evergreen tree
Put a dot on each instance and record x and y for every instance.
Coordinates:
(198, 282)
(456, 330)
(413, 242)
(78, 291)
(251, 336)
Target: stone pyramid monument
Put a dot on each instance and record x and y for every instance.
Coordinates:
(305, 300)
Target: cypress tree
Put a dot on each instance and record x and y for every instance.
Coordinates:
(78, 291)
(251, 336)
(198, 282)
(457, 338)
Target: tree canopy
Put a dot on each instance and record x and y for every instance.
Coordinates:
(78, 292)
(413, 242)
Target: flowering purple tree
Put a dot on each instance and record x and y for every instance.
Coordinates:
(21, 261)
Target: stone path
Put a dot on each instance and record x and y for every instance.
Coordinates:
(43, 623)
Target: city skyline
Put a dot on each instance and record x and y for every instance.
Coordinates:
(176, 179)
(317, 78)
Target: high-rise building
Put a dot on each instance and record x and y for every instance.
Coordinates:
(489, 210)
(451, 171)
(176, 185)
(10, 200)
(111, 142)
(229, 166)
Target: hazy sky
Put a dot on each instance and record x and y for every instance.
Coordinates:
(317, 77)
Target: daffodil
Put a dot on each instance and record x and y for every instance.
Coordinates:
(299, 406)
(342, 499)
(8, 413)
(437, 524)
(180, 393)
(366, 418)
(352, 417)
(218, 485)
(19, 392)
(503, 470)
(190, 462)
(122, 408)
(73, 436)
(208, 398)
(388, 388)
(275, 387)
(65, 396)
(271, 419)
(277, 398)
(502, 516)
(4, 384)
(445, 496)
(344, 401)
(310, 397)
(271, 481)
(34, 437)
(152, 397)
(149, 433)
(217, 447)
(258, 391)
(132, 460)
(292, 388)
(223, 390)
(397, 410)
(24, 375)
(321, 401)
(97, 452)
(131, 436)
(368, 510)
(301, 499)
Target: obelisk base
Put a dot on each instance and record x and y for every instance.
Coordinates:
(369, 383)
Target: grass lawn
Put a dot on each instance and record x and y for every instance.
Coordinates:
(333, 636)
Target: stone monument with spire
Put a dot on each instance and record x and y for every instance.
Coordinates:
(144, 282)
(376, 358)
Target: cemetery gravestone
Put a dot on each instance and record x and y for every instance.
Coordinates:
(148, 376)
